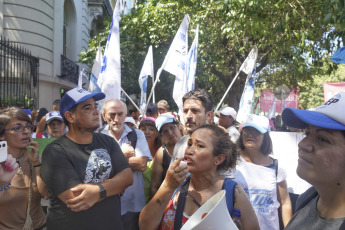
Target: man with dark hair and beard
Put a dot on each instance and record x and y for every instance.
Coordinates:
(197, 111)
(85, 172)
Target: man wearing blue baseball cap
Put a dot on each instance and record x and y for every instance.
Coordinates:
(321, 162)
(84, 171)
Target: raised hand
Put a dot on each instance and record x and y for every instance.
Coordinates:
(8, 169)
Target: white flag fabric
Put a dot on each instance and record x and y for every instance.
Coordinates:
(192, 61)
(110, 76)
(272, 112)
(80, 79)
(146, 70)
(248, 67)
(96, 68)
(175, 61)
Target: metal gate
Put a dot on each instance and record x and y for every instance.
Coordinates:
(18, 76)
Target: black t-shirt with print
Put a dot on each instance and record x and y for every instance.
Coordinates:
(66, 164)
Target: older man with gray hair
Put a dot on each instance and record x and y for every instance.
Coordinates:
(136, 150)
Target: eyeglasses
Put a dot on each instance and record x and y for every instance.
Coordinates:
(250, 130)
(20, 128)
(171, 128)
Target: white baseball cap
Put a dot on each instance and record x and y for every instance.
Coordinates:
(261, 123)
(53, 115)
(163, 119)
(130, 120)
(229, 111)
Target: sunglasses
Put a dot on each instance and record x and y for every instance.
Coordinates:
(250, 130)
(166, 131)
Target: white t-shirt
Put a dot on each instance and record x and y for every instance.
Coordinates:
(133, 199)
(260, 184)
(233, 133)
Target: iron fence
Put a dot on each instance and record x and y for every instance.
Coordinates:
(19, 72)
(69, 70)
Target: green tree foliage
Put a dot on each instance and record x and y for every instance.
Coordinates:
(290, 36)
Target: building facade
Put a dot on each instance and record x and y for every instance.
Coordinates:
(55, 31)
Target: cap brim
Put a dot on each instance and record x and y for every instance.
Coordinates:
(299, 118)
(169, 120)
(54, 118)
(97, 96)
(261, 130)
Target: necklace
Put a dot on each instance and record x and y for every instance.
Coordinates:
(19, 170)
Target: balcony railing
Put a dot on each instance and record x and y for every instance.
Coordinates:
(69, 70)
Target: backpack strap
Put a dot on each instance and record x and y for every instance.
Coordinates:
(275, 163)
(132, 137)
(229, 186)
(180, 205)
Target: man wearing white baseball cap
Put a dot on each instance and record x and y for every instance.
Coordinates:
(321, 163)
(227, 119)
(55, 124)
(84, 171)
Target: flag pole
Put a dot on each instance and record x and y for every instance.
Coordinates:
(154, 98)
(130, 99)
(153, 87)
(227, 91)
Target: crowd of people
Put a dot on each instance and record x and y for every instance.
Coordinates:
(155, 170)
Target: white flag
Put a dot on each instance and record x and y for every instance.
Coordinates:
(248, 67)
(96, 68)
(80, 79)
(146, 70)
(110, 76)
(175, 61)
(192, 61)
(272, 112)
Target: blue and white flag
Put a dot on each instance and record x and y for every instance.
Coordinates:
(175, 61)
(96, 68)
(246, 102)
(146, 70)
(272, 112)
(110, 76)
(192, 61)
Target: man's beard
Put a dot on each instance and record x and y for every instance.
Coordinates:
(87, 129)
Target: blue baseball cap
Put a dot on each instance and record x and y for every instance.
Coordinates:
(76, 96)
(330, 115)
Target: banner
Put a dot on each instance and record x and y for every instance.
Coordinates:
(110, 76)
(331, 89)
(175, 61)
(285, 149)
(42, 143)
(246, 102)
(192, 61)
(272, 112)
(267, 99)
(146, 70)
(96, 68)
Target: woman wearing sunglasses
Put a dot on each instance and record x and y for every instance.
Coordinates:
(20, 202)
(260, 176)
(168, 128)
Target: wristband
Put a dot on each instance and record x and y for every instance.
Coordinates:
(37, 165)
(6, 187)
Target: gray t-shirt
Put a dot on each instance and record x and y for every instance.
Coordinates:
(309, 218)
